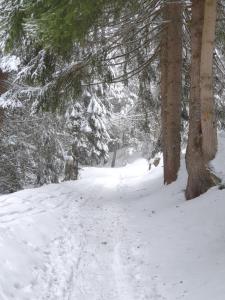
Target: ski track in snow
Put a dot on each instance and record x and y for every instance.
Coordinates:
(85, 254)
(116, 234)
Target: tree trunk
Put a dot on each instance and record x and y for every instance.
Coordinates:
(171, 83)
(3, 89)
(1, 117)
(114, 155)
(208, 118)
(199, 177)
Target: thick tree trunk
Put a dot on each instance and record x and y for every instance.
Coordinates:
(171, 83)
(199, 177)
(208, 119)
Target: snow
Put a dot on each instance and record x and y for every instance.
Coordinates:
(9, 63)
(116, 234)
(124, 156)
(218, 163)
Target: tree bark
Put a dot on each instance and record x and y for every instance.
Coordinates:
(114, 155)
(3, 89)
(1, 117)
(171, 84)
(199, 176)
(208, 118)
(72, 165)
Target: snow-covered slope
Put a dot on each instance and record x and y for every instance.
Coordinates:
(116, 234)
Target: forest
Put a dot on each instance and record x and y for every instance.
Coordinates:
(80, 79)
(112, 90)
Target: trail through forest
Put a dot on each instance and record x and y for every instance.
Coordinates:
(116, 234)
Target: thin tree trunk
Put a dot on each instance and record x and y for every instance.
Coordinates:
(3, 89)
(199, 177)
(208, 119)
(114, 155)
(164, 68)
(171, 82)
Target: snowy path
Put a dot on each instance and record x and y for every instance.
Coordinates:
(75, 239)
(116, 234)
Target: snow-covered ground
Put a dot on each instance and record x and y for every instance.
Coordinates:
(116, 234)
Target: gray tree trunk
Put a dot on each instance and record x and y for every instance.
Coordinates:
(114, 155)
